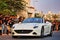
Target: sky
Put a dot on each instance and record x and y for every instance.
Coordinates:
(46, 5)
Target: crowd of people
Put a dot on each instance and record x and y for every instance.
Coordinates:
(6, 23)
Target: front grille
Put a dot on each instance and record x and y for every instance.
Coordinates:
(23, 31)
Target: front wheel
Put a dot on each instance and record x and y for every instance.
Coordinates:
(50, 34)
(42, 32)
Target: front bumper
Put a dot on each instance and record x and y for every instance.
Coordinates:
(26, 33)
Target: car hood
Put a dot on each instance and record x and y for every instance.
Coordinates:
(27, 25)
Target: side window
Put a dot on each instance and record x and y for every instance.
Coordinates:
(43, 21)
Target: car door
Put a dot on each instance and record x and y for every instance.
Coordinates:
(46, 29)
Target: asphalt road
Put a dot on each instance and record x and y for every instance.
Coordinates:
(56, 36)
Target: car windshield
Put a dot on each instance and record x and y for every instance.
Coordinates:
(33, 20)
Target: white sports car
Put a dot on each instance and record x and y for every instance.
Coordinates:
(32, 27)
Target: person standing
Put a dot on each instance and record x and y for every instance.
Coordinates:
(4, 26)
(10, 23)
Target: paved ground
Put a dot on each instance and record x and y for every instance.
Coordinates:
(56, 36)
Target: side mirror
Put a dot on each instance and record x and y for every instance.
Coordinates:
(47, 22)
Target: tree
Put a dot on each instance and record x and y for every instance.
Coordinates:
(55, 17)
(38, 15)
(11, 6)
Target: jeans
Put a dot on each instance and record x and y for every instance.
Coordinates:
(4, 29)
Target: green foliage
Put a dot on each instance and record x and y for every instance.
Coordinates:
(10, 7)
(55, 16)
(37, 15)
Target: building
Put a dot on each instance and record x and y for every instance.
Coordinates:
(31, 12)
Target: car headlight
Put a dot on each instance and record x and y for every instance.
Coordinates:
(35, 27)
(13, 26)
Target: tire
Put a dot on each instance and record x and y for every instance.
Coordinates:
(42, 32)
(14, 36)
(50, 34)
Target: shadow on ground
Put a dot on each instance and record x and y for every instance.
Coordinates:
(30, 37)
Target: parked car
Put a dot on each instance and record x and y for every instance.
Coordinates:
(32, 27)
